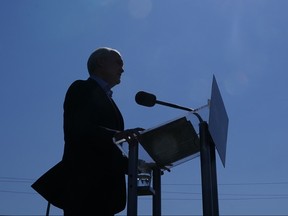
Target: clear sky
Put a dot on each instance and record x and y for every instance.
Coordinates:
(170, 48)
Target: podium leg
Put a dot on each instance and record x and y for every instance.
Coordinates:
(132, 180)
(157, 195)
(208, 172)
(214, 180)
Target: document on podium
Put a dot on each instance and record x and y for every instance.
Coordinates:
(168, 144)
(171, 143)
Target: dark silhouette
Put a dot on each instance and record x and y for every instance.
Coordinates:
(90, 179)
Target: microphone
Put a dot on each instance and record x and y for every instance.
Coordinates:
(145, 99)
(149, 100)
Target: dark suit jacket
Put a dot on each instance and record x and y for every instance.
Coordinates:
(91, 162)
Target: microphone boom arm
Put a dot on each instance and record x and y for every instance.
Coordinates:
(173, 106)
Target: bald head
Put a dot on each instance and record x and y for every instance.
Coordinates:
(107, 64)
(99, 56)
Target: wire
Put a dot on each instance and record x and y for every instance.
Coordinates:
(249, 183)
(29, 180)
(235, 196)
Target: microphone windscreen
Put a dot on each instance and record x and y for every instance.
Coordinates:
(145, 99)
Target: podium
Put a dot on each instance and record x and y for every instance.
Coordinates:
(175, 142)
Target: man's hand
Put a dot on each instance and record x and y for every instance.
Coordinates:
(130, 135)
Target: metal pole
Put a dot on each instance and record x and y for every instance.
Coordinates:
(157, 189)
(48, 209)
(132, 179)
(214, 179)
(208, 172)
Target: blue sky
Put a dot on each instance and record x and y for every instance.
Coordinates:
(170, 48)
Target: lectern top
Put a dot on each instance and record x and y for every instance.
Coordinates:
(171, 143)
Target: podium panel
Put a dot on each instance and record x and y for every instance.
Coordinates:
(218, 121)
(172, 143)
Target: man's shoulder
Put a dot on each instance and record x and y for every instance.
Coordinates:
(78, 82)
(83, 84)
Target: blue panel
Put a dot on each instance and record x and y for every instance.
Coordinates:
(218, 121)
